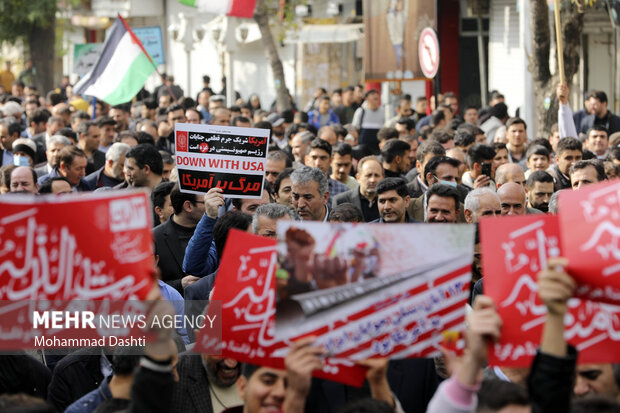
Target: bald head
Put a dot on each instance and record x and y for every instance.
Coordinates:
(512, 197)
(510, 172)
(23, 179)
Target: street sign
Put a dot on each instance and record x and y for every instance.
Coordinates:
(428, 52)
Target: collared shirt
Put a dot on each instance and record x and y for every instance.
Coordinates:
(7, 157)
(423, 186)
(370, 210)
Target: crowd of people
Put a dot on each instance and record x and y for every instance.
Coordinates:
(341, 159)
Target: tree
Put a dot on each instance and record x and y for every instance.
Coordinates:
(32, 22)
(544, 83)
(261, 16)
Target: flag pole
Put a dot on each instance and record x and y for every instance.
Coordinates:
(135, 38)
(558, 39)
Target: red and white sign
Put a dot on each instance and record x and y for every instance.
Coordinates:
(428, 52)
(590, 225)
(83, 247)
(245, 285)
(514, 250)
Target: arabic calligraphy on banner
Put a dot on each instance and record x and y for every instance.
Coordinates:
(514, 250)
(245, 285)
(76, 247)
(223, 152)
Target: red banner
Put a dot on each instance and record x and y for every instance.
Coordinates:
(590, 222)
(514, 250)
(246, 287)
(82, 247)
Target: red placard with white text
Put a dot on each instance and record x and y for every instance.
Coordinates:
(82, 247)
(246, 287)
(590, 222)
(514, 250)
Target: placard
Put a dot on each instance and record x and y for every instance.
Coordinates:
(151, 39)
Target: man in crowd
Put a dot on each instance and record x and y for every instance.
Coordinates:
(277, 161)
(395, 154)
(480, 159)
(310, 194)
(143, 166)
(516, 134)
(23, 180)
(368, 119)
(299, 146)
(510, 172)
(569, 151)
(597, 141)
(481, 202)
(107, 128)
(55, 144)
(599, 115)
(426, 151)
(369, 174)
(318, 155)
(111, 174)
(341, 163)
(512, 196)
(88, 141)
(9, 133)
(539, 190)
(393, 200)
(443, 203)
(586, 172)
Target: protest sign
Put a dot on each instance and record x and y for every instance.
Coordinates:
(373, 290)
(514, 250)
(85, 56)
(245, 285)
(151, 39)
(590, 231)
(226, 157)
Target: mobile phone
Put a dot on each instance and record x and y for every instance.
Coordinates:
(486, 169)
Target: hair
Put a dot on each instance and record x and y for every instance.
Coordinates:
(553, 202)
(464, 137)
(538, 176)
(434, 163)
(429, 147)
(174, 107)
(306, 137)
(24, 403)
(39, 115)
(272, 211)
(318, 143)
(141, 137)
(586, 155)
(282, 176)
(613, 154)
(178, 198)
(237, 119)
(568, 144)
(67, 133)
(444, 191)
(407, 122)
(116, 151)
(500, 110)
(437, 116)
(231, 219)
(386, 134)
(307, 174)
(68, 154)
(63, 140)
(278, 155)
(125, 360)
(515, 121)
(365, 405)
(473, 129)
(536, 150)
(370, 92)
(598, 165)
(472, 201)
(393, 148)
(393, 184)
(496, 394)
(5, 175)
(599, 128)
(342, 149)
(478, 153)
(542, 142)
(144, 154)
(46, 187)
(441, 136)
(158, 196)
(346, 213)
(15, 128)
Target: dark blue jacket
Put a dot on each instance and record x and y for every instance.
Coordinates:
(89, 402)
(200, 255)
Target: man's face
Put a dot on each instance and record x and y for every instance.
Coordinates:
(567, 158)
(392, 207)
(191, 116)
(513, 202)
(61, 187)
(597, 107)
(247, 113)
(298, 149)
(404, 109)
(223, 372)
(267, 226)
(120, 117)
(444, 172)
(598, 142)
(166, 210)
(595, 380)
(107, 135)
(249, 205)
(341, 167)
(176, 116)
(168, 167)
(222, 117)
(516, 134)
(264, 391)
(308, 202)
(273, 167)
(117, 168)
(54, 127)
(203, 98)
(164, 101)
(554, 139)
(402, 162)
(584, 176)
(52, 152)
(135, 175)
(6, 141)
(22, 181)
(471, 116)
(453, 103)
(324, 106)
(420, 106)
(373, 101)
(284, 196)
(538, 162)
(92, 138)
(441, 210)
(74, 172)
(489, 207)
(318, 158)
(540, 195)
(517, 176)
(368, 177)
(420, 167)
(501, 158)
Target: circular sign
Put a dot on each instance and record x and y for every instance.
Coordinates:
(428, 52)
(204, 147)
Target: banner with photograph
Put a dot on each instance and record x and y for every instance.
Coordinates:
(372, 290)
(226, 157)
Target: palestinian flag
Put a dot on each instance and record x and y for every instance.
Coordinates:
(121, 70)
(236, 8)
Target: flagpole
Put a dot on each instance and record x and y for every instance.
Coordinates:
(558, 39)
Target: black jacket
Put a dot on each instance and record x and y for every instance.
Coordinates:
(171, 254)
(550, 383)
(21, 373)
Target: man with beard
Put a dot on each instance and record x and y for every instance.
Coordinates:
(539, 190)
(111, 174)
(443, 202)
(393, 199)
(206, 384)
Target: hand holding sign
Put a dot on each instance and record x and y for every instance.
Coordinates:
(555, 287)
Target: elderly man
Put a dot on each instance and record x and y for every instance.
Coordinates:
(55, 144)
(510, 172)
(310, 194)
(23, 180)
(586, 172)
(512, 196)
(111, 174)
(481, 202)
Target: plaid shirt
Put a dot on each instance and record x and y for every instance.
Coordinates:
(334, 187)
